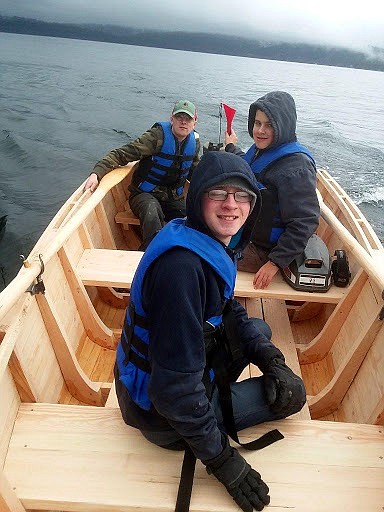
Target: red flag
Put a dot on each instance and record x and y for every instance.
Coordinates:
(229, 114)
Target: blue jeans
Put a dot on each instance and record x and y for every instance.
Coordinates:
(248, 403)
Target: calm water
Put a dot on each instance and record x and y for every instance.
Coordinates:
(65, 103)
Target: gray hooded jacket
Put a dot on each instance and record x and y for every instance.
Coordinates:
(292, 177)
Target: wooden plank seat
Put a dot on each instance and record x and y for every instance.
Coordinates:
(126, 218)
(116, 268)
(108, 267)
(85, 459)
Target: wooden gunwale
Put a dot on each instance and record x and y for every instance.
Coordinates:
(361, 228)
(32, 265)
(368, 261)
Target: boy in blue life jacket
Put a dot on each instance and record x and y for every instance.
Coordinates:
(185, 340)
(168, 152)
(286, 175)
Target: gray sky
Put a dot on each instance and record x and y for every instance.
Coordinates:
(335, 22)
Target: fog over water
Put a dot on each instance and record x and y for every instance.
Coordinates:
(329, 22)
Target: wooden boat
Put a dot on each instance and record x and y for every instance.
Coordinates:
(63, 444)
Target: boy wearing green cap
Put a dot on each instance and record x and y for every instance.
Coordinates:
(168, 152)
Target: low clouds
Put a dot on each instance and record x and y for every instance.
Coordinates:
(329, 22)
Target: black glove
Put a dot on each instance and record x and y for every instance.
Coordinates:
(242, 482)
(284, 390)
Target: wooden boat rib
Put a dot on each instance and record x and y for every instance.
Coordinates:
(63, 444)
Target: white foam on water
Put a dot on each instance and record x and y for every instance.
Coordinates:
(374, 196)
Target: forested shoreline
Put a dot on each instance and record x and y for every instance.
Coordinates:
(200, 42)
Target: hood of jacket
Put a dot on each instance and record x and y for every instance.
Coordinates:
(280, 108)
(214, 168)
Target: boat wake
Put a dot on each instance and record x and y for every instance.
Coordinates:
(374, 197)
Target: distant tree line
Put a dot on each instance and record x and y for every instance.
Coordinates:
(200, 42)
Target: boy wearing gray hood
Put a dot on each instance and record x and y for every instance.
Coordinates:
(185, 340)
(286, 175)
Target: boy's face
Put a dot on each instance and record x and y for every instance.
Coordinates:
(263, 133)
(224, 218)
(182, 125)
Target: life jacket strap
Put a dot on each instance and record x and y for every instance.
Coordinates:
(135, 350)
(138, 361)
(173, 180)
(177, 157)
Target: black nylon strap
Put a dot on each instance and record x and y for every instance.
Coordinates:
(167, 180)
(231, 333)
(137, 319)
(227, 409)
(233, 346)
(179, 158)
(129, 339)
(189, 462)
(139, 362)
(186, 482)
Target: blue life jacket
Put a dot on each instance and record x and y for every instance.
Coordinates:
(132, 351)
(171, 165)
(269, 224)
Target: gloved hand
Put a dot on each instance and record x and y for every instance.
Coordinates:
(284, 390)
(242, 482)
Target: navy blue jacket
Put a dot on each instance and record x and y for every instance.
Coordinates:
(180, 291)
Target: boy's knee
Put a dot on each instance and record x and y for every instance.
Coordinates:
(298, 399)
(153, 210)
(263, 327)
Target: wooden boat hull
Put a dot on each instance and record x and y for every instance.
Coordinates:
(57, 352)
